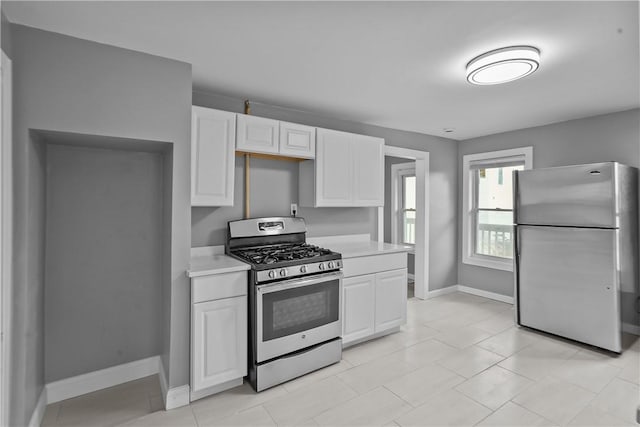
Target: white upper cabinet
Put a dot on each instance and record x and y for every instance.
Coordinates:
(258, 135)
(297, 140)
(348, 171)
(368, 171)
(213, 136)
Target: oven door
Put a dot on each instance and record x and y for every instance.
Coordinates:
(297, 313)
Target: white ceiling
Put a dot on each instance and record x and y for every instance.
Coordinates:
(394, 64)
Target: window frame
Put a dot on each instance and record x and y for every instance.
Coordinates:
(398, 172)
(469, 204)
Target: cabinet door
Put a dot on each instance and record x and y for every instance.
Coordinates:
(333, 168)
(213, 136)
(391, 299)
(297, 140)
(358, 304)
(219, 342)
(368, 171)
(257, 134)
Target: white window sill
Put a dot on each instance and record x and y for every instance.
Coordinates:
(495, 264)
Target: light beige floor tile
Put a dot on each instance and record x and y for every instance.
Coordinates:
(418, 386)
(104, 408)
(309, 401)
(494, 387)
(539, 360)
(378, 372)
(631, 373)
(512, 415)
(620, 398)
(182, 417)
(450, 408)
(411, 336)
(256, 416)
(318, 375)
(509, 341)
(588, 370)
(370, 350)
(237, 399)
(594, 416)
(376, 407)
(629, 356)
(467, 317)
(554, 399)
(470, 361)
(496, 324)
(463, 337)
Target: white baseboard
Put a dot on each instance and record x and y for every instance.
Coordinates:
(443, 291)
(411, 276)
(173, 397)
(104, 378)
(38, 411)
(630, 329)
(485, 294)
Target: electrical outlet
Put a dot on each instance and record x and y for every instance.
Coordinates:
(294, 209)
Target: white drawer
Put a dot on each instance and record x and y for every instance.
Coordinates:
(373, 264)
(218, 286)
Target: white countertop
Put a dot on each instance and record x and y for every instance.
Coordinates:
(210, 260)
(357, 245)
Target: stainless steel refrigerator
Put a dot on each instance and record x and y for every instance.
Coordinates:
(576, 249)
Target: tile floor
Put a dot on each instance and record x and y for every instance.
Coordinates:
(459, 361)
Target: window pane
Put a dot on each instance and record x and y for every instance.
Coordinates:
(495, 187)
(409, 190)
(494, 233)
(409, 227)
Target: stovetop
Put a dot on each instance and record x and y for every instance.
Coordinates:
(282, 255)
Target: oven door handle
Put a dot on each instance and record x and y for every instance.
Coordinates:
(298, 283)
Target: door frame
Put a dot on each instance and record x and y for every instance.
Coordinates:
(6, 232)
(421, 272)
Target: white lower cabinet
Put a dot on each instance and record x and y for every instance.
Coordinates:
(373, 303)
(391, 299)
(359, 307)
(218, 334)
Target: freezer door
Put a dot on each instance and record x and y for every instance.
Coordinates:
(581, 196)
(567, 283)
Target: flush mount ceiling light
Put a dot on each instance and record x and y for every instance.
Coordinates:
(503, 65)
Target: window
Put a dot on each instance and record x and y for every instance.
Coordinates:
(404, 202)
(488, 206)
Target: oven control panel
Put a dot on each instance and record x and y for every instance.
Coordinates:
(280, 273)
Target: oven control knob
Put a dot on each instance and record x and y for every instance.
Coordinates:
(321, 266)
(303, 269)
(272, 274)
(330, 264)
(338, 264)
(283, 272)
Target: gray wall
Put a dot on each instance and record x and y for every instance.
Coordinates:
(66, 84)
(5, 30)
(103, 275)
(325, 221)
(388, 203)
(611, 137)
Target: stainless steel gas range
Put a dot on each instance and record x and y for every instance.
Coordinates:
(295, 299)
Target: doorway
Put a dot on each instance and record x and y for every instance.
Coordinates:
(407, 221)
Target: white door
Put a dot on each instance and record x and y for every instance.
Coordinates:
(257, 134)
(219, 342)
(213, 135)
(568, 283)
(333, 168)
(391, 299)
(368, 171)
(358, 307)
(297, 140)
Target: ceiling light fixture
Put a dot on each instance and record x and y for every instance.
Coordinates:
(503, 65)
